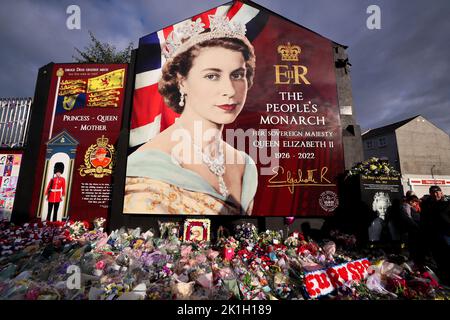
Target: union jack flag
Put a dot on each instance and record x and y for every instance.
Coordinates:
(149, 114)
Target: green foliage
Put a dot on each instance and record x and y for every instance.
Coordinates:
(98, 52)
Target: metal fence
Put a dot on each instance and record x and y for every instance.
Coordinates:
(14, 121)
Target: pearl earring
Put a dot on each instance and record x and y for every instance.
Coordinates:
(181, 103)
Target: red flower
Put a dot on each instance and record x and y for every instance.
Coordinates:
(397, 283)
(59, 223)
(253, 265)
(242, 252)
(32, 294)
(313, 248)
(297, 235)
(245, 255)
(433, 281)
(302, 249)
(281, 247)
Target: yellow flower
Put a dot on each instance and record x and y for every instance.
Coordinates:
(138, 243)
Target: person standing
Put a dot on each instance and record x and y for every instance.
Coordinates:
(415, 204)
(409, 223)
(435, 223)
(55, 191)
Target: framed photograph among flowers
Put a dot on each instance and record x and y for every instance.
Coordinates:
(197, 230)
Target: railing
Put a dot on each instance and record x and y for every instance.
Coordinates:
(14, 121)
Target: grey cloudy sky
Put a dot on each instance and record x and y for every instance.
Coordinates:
(397, 72)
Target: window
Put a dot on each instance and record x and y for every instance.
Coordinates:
(382, 142)
(369, 144)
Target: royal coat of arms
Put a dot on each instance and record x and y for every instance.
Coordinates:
(98, 159)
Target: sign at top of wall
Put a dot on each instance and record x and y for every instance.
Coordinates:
(257, 137)
(77, 152)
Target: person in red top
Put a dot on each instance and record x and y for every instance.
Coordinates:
(56, 190)
(414, 204)
(100, 158)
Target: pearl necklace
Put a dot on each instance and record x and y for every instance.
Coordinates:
(215, 165)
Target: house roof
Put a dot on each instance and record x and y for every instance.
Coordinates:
(386, 129)
(256, 5)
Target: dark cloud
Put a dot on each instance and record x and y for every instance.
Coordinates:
(403, 70)
(34, 33)
(399, 71)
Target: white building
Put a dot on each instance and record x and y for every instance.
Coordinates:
(417, 148)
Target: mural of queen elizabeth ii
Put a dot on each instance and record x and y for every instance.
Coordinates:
(205, 79)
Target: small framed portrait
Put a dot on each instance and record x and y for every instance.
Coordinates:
(100, 157)
(197, 230)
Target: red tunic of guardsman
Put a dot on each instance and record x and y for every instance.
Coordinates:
(56, 189)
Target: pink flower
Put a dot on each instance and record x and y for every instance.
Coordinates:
(186, 250)
(100, 265)
(32, 294)
(212, 254)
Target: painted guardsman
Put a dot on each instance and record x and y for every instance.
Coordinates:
(55, 191)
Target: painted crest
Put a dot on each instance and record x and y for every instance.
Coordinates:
(98, 159)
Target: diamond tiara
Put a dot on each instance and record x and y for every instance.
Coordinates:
(191, 32)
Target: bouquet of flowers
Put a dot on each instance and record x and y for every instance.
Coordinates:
(294, 239)
(374, 167)
(227, 243)
(169, 230)
(246, 232)
(270, 237)
(99, 224)
(78, 228)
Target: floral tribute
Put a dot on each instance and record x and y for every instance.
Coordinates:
(374, 167)
(36, 260)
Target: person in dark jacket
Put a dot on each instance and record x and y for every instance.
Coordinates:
(435, 224)
(409, 223)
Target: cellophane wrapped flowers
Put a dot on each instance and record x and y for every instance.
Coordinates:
(43, 261)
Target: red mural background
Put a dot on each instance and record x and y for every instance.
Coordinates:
(275, 198)
(86, 114)
(298, 172)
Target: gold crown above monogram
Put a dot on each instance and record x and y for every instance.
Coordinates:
(102, 142)
(193, 32)
(289, 52)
